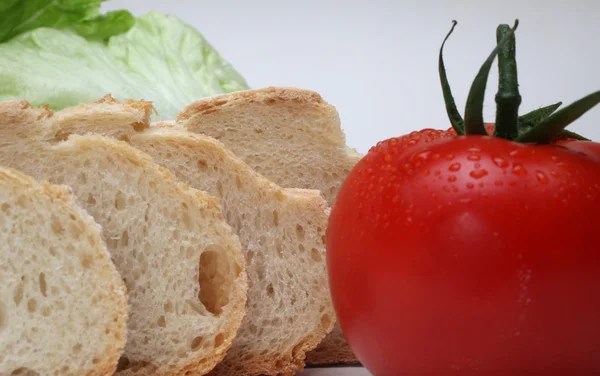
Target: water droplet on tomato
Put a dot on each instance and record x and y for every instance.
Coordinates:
(466, 200)
(541, 177)
(396, 199)
(500, 162)
(474, 157)
(519, 170)
(426, 172)
(470, 185)
(437, 173)
(387, 158)
(478, 174)
(513, 153)
(451, 179)
(409, 219)
(474, 149)
(449, 157)
(498, 183)
(435, 157)
(454, 167)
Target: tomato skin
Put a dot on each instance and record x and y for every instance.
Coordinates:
(461, 254)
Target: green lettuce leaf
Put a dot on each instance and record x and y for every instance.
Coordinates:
(19, 16)
(159, 59)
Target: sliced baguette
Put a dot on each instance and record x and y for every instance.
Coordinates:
(63, 306)
(294, 138)
(281, 231)
(181, 263)
(291, 136)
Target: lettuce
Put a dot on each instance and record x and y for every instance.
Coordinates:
(73, 55)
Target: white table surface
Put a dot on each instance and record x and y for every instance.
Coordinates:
(345, 371)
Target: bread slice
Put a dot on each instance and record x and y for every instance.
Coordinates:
(180, 260)
(63, 306)
(294, 138)
(281, 230)
(291, 136)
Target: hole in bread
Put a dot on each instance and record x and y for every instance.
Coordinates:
(61, 135)
(43, 285)
(123, 138)
(275, 218)
(5, 208)
(197, 343)
(18, 292)
(326, 321)
(82, 178)
(139, 126)
(125, 239)
(279, 196)
(24, 371)
(77, 348)
(57, 226)
(300, 232)
(112, 242)
(91, 200)
(270, 290)
(202, 164)
(120, 201)
(324, 240)
(238, 181)
(301, 247)
(219, 339)
(316, 255)
(46, 311)
(86, 260)
(279, 363)
(279, 248)
(215, 279)
(168, 307)
(162, 321)
(220, 188)
(3, 317)
(31, 305)
(258, 130)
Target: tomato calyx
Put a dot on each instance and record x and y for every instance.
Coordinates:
(540, 126)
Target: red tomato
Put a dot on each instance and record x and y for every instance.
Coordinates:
(469, 254)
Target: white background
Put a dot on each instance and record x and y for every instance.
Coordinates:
(376, 60)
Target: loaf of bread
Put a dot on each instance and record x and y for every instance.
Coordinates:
(294, 138)
(63, 307)
(281, 231)
(181, 262)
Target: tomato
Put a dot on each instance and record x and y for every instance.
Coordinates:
(463, 254)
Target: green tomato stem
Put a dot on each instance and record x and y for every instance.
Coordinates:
(552, 126)
(508, 98)
(474, 108)
(455, 119)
